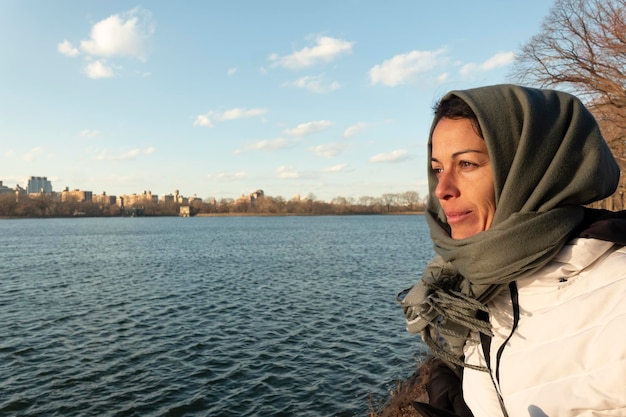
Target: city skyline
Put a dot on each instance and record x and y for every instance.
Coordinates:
(219, 99)
(41, 184)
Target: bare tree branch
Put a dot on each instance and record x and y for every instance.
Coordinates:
(581, 47)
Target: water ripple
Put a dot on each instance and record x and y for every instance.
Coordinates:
(205, 316)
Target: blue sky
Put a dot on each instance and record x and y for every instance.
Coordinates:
(221, 98)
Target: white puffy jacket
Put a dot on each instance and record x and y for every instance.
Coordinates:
(567, 356)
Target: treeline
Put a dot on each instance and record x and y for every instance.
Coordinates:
(45, 205)
(387, 203)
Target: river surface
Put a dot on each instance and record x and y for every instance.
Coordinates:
(226, 316)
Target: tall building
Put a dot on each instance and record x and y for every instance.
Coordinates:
(38, 185)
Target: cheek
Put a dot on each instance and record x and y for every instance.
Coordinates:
(490, 209)
(488, 192)
(487, 198)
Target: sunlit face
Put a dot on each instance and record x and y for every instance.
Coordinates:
(465, 188)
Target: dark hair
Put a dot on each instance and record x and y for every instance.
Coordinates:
(454, 107)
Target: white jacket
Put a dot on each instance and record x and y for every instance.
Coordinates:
(567, 356)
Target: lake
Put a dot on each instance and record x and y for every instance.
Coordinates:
(206, 316)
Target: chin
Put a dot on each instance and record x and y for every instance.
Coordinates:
(464, 234)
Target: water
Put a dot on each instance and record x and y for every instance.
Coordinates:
(236, 316)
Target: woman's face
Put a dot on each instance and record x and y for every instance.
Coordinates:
(465, 186)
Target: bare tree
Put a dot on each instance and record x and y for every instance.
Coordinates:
(582, 48)
(225, 205)
(410, 199)
(8, 203)
(389, 200)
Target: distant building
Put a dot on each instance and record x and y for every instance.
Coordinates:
(77, 195)
(175, 198)
(256, 195)
(4, 189)
(137, 199)
(250, 198)
(104, 199)
(39, 185)
(179, 198)
(20, 193)
(17, 191)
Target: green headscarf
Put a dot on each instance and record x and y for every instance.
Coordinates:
(549, 159)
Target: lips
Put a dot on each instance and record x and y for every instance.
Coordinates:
(454, 217)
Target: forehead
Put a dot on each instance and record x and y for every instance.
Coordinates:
(453, 135)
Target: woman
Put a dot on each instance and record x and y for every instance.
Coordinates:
(527, 296)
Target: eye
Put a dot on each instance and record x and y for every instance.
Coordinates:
(437, 170)
(467, 164)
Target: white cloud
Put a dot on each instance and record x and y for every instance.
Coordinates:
(120, 35)
(97, 69)
(336, 168)
(403, 68)
(203, 120)
(86, 133)
(354, 129)
(269, 145)
(232, 71)
(67, 49)
(132, 154)
(500, 59)
(467, 69)
(126, 156)
(315, 84)
(32, 154)
(325, 50)
(394, 156)
(287, 172)
(309, 128)
(326, 151)
(232, 114)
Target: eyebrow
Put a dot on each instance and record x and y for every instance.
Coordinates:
(459, 153)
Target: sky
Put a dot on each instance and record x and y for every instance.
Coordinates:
(324, 98)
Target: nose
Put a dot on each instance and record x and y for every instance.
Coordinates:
(447, 187)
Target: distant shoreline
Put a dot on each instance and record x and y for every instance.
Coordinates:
(404, 213)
